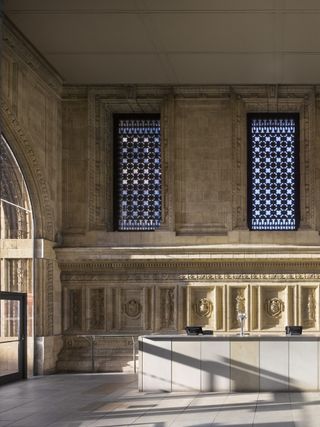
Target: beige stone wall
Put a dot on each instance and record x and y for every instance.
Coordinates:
(204, 162)
(75, 165)
(31, 124)
(164, 290)
(203, 165)
(201, 266)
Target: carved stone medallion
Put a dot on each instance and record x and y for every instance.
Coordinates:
(274, 307)
(132, 308)
(203, 307)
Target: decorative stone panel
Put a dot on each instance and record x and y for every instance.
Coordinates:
(201, 306)
(309, 307)
(74, 313)
(237, 303)
(132, 309)
(97, 309)
(166, 308)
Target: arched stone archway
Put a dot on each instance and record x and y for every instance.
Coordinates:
(37, 186)
(46, 275)
(17, 267)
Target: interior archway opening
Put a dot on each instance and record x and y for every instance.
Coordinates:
(17, 265)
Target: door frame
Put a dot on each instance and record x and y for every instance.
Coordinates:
(22, 349)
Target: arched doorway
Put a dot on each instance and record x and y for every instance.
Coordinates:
(16, 277)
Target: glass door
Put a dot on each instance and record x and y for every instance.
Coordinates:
(12, 336)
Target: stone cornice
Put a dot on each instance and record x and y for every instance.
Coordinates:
(193, 266)
(91, 279)
(189, 252)
(192, 91)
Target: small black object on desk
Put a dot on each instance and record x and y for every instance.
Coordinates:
(197, 330)
(293, 330)
(193, 330)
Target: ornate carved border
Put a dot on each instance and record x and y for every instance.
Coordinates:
(103, 103)
(273, 99)
(42, 209)
(191, 267)
(250, 277)
(93, 280)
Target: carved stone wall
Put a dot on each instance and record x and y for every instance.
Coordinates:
(31, 123)
(269, 306)
(153, 297)
(205, 206)
(204, 143)
(62, 138)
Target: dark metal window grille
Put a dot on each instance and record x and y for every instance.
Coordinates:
(273, 190)
(138, 172)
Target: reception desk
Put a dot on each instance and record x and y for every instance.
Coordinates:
(229, 363)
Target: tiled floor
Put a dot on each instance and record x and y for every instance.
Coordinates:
(113, 400)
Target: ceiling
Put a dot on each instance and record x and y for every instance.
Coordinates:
(175, 41)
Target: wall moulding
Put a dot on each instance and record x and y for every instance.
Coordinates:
(288, 266)
(251, 277)
(102, 104)
(279, 99)
(32, 171)
(192, 269)
(93, 280)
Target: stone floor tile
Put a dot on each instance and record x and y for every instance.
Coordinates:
(113, 400)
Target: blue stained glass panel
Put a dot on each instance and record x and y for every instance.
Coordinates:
(273, 175)
(138, 178)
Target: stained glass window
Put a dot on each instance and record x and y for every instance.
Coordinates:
(273, 190)
(138, 172)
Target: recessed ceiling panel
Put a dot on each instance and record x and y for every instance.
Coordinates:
(113, 69)
(301, 32)
(220, 69)
(253, 32)
(67, 5)
(174, 41)
(82, 33)
(301, 68)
